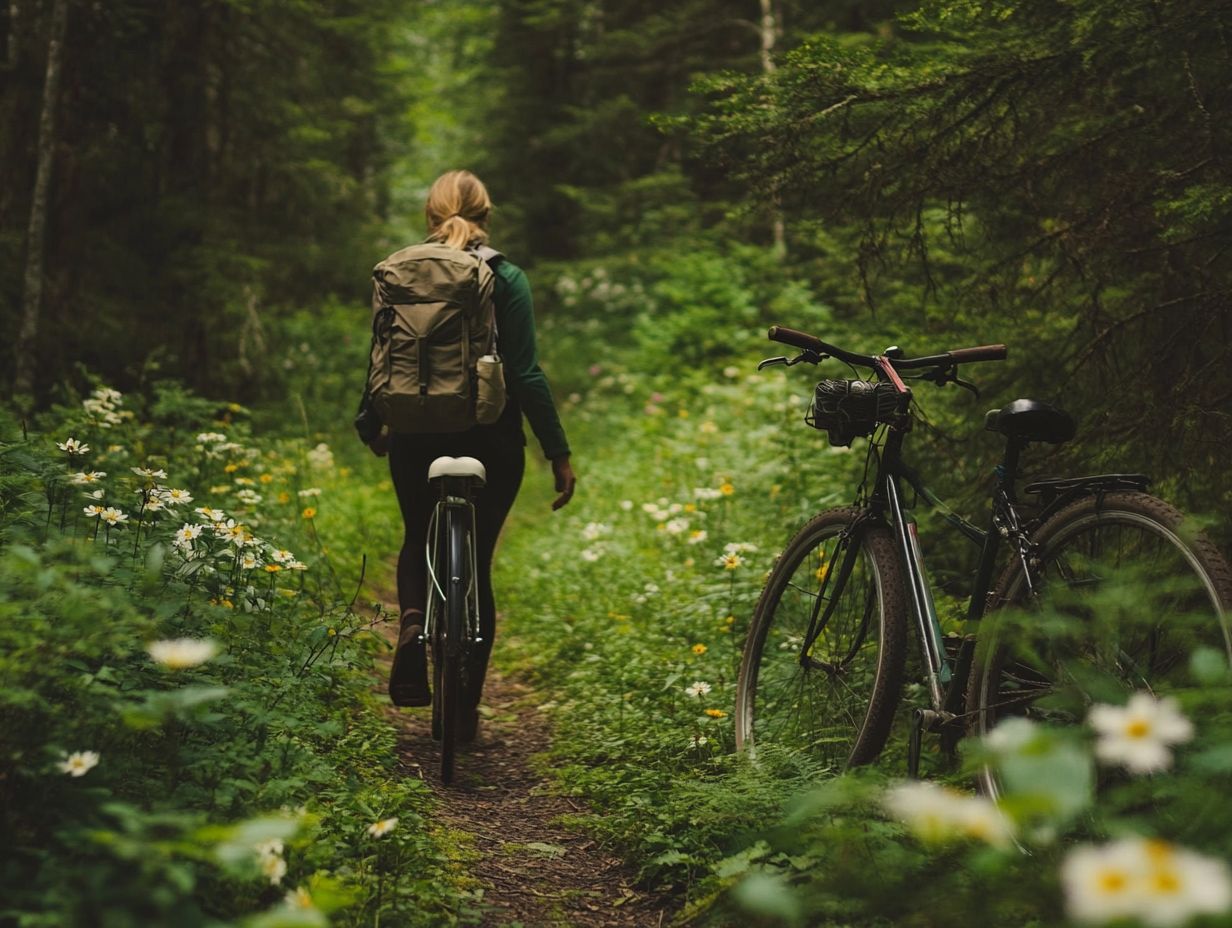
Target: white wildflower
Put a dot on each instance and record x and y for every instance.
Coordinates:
(299, 898)
(274, 868)
(592, 554)
(180, 653)
(321, 457)
(1150, 881)
(1139, 735)
(311, 491)
(697, 689)
(79, 763)
(113, 516)
(729, 561)
(209, 438)
(697, 537)
(149, 473)
(94, 511)
(72, 446)
(595, 530)
(937, 813)
(173, 497)
(212, 515)
(382, 828)
(676, 526)
(87, 477)
(186, 535)
(739, 547)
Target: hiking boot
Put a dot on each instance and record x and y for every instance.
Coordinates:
(408, 678)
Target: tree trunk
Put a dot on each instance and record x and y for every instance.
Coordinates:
(10, 60)
(36, 234)
(769, 29)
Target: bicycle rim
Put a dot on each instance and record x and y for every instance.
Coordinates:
(832, 703)
(1125, 596)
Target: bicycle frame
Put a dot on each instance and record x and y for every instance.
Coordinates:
(946, 674)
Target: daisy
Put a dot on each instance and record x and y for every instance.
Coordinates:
(697, 689)
(937, 813)
(697, 536)
(87, 477)
(174, 497)
(180, 653)
(94, 511)
(1139, 735)
(112, 516)
(274, 868)
(186, 535)
(729, 561)
(72, 446)
(79, 763)
(382, 828)
(149, 473)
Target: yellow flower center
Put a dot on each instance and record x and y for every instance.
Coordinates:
(1165, 882)
(1138, 728)
(1111, 882)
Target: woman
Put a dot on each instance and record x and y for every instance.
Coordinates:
(457, 213)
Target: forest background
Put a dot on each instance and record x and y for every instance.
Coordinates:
(1050, 175)
(195, 194)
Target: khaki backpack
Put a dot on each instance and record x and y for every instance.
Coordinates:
(434, 366)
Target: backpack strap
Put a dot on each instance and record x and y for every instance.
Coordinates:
(487, 253)
(489, 256)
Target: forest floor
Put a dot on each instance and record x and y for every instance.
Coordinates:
(528, 865)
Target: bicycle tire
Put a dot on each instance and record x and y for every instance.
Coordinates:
(839, 714)
(453, 646)
(1012, 676)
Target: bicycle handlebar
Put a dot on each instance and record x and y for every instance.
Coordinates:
(806, 342)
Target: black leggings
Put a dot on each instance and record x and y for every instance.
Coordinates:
(409, 458)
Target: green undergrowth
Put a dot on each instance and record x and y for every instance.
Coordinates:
(627, 610)
(187, 722)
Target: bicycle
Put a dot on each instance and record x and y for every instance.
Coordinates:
(824, 660)
(451, 621)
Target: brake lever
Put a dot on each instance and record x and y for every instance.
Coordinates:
(812, 357)
(943, 375)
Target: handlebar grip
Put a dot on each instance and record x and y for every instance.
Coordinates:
(982, 353)
(802, 340)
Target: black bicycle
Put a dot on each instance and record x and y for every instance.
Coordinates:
(451, 624)
(824, 662)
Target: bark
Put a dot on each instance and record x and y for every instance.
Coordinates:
(36, 234)
(769, 30)
(10, 60)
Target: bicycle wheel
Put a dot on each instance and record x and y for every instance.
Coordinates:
(452, 648)
(832, 701)
(1125, 592)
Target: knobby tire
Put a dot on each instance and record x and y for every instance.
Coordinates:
(1092, 542)
(840, 716)
(452, 649)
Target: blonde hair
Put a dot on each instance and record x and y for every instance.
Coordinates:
(457, 210)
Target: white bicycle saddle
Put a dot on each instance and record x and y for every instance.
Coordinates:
(457, 467)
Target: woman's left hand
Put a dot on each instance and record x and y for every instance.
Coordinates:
(565, 480)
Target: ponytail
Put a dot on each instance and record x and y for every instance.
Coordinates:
(457, 210)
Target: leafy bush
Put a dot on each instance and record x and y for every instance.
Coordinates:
(186, 721)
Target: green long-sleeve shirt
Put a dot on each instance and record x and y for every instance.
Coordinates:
(529, 393)
(515, 323)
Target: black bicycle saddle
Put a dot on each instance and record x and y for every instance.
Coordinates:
(1031, 420)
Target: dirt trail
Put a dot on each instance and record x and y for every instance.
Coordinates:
(534, 871)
